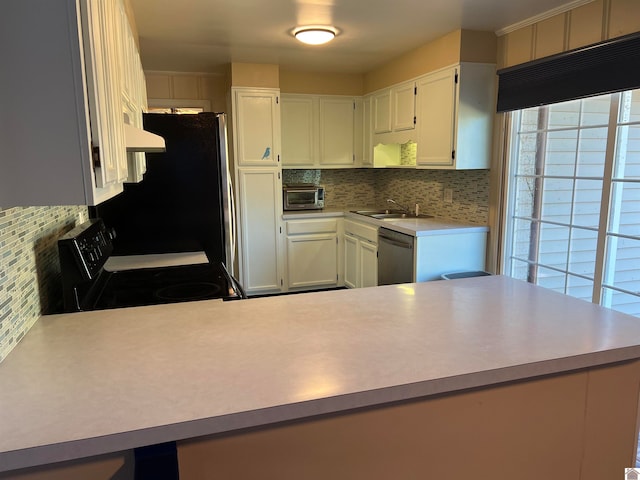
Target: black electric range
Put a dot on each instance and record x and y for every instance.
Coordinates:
(88, 286)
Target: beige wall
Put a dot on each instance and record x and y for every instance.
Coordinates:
(477, 46)
(590, 23)
(439, 53)
(255, 75)
(460, 45)
(321, 83)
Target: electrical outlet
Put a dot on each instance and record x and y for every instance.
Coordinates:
(448, 195)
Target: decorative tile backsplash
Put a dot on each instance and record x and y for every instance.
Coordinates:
(470, 192)
(343, 187)
(372, 187)
(30, 283)
(408, 152)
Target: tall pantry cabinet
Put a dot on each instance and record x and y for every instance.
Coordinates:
(256, 142)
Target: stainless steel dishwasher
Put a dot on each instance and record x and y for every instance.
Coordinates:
(395, 257)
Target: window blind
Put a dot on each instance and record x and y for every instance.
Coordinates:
(605, 67)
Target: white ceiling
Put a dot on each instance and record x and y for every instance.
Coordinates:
(204, 35)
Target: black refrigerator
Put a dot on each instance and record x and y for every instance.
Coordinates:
(185, 201)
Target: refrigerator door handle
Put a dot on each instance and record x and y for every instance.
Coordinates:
(228, 200)
(232, 213)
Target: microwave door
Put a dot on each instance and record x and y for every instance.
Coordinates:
(301, 198)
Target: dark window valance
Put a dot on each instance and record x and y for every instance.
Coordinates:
(605, 67)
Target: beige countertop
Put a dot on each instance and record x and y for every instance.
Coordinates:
(84, 384)
(416, 227)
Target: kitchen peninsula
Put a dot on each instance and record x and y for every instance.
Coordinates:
(490, 376)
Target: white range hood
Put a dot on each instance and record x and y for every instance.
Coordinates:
(139, 140)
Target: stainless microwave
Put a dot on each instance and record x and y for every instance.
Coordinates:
(303, 196)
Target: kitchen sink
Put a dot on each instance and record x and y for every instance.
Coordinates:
(389, 214)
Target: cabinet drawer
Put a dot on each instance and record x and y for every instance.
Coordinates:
(322, 225)
(368, 232)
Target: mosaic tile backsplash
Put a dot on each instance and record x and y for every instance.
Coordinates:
(30, 283)
(372, 187)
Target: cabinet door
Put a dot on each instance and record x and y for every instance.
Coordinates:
(436, 115)
(336, 131)
(103, 80)
(381, 112)
(127, 76)
(403, 105)
(298, 120)
(257, 132)
(358, 131)
(260, 191)
(368, 254)
(312, 260)
(367, 143)
(351, 261)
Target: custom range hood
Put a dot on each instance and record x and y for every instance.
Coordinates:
(139, 140)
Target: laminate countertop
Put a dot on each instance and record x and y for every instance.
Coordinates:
(416, 227)
(84, 384)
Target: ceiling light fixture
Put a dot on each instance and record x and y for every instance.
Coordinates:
(316, 35)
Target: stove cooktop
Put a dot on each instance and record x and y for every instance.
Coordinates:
(151, 286)
(88, 286)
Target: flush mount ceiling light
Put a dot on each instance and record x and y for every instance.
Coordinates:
(316, 35)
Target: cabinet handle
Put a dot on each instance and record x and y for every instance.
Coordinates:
(95, 156)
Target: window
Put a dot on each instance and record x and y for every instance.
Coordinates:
(573, 219)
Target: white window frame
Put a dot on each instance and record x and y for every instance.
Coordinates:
(604, 233)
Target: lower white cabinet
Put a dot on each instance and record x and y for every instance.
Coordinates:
(360, 254)
(260, 200)
(312, 257)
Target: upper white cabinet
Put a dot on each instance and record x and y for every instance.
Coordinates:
(454, 110)
(256, 126)
(133, 89)
(101, 27)
(393, 114)
(321, 131)
(299, 130)
(337, 128)
(63, 142)
(366, 157)
(381, 111)
(403, 106)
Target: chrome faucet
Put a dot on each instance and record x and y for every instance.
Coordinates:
(402, 207)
